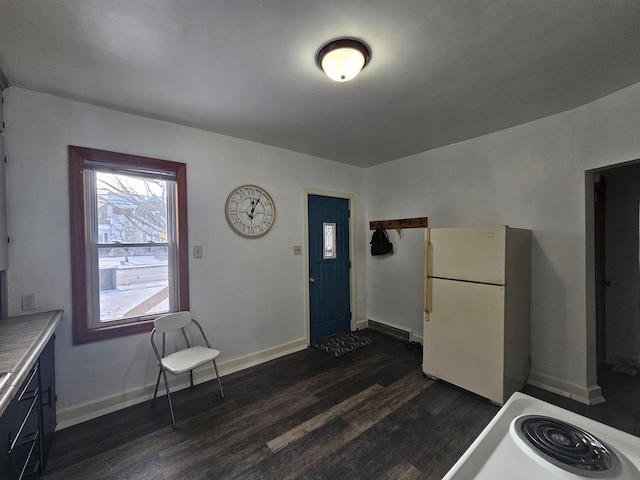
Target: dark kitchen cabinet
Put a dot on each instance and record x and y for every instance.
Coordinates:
(4, 436)
(48, 397)
(27, 425)
(23, 441)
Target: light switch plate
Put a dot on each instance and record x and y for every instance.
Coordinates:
(297, 249)
(197, 251)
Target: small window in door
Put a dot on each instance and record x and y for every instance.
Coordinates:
(329, 241)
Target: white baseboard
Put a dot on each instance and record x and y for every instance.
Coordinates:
(362, 324)
(87, 411)
(262, 356)
(589, 395)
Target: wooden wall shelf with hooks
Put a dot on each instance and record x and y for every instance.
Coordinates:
(403, 223)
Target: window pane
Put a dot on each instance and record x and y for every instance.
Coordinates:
(131, 209)
(133, 282)
(329, 242)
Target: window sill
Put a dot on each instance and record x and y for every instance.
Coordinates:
(86, 335)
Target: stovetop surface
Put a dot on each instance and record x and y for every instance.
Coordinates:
(498, 453)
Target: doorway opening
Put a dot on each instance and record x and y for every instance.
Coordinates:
(614, 208)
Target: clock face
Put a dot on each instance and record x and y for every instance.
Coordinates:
(250, 211)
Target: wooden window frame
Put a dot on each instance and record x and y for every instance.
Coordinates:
(79, 158)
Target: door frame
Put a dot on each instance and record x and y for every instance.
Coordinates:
(599, 244)
(593, 390)
(591, 314)
(352, 256)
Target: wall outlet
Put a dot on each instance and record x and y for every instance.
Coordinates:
(29, 301)
(297, 249)
(197, 251)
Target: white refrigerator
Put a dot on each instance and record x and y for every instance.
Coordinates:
(477, 308)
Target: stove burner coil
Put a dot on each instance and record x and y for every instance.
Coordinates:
(567, 446)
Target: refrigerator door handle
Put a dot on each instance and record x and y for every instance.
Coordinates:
(427, 306)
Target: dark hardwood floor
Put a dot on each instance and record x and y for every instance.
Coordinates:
(369, 414)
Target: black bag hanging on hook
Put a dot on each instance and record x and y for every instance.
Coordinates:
(380, 244)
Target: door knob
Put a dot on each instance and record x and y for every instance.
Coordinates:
(312, 280)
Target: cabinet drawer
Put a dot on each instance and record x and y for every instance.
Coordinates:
(24, 403)
(24, 458)
(24, 435)
(31, 384)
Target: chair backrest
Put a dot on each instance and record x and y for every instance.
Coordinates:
(172, 321)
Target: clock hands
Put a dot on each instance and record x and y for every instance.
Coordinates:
(254, 204)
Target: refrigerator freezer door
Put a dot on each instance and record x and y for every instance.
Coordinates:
(471, 254)
(464, 337)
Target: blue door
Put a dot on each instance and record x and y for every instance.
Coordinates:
(329, 265)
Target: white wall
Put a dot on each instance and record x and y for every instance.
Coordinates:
(530, 176)
(248, 293)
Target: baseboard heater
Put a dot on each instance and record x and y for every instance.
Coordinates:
(395, 331)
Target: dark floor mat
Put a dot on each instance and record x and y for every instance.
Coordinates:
(341, 344)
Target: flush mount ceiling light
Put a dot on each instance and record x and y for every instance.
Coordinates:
(343, 59)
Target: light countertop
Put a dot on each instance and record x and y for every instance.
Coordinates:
(22, 339)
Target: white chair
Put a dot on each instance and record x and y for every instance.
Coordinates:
(184, 360)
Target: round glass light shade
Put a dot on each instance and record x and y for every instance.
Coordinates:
(343, 59)
(342, 64)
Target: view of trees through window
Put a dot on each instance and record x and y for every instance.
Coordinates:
(132, 245)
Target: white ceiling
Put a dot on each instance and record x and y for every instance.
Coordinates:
(441, 71)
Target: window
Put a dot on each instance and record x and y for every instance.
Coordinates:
(129, 255)
(329, 241)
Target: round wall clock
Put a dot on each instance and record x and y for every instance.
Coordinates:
(250, 211)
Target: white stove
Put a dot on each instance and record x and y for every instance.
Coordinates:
(532, 439)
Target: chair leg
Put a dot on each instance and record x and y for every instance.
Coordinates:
(218, 377)
(155, 392)
(166, 386)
